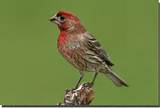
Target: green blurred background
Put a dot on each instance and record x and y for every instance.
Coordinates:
(33, 72)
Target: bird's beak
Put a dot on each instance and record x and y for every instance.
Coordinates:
(53, 18)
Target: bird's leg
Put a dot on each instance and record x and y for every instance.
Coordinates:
(95, 75)
(81, 77)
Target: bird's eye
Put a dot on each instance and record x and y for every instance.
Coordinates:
(62, 18)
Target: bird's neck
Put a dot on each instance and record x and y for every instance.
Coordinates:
(73, 28)
(72, 31)
(61, 38)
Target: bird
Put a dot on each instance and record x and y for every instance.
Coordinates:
(81, 49)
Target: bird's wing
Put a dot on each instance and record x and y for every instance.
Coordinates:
(94, 47)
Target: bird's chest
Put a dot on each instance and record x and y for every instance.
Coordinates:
(68, 47)
(72, 50)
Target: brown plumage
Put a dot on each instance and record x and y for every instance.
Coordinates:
(81, 49)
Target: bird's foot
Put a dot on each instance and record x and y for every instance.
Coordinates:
(88, 84)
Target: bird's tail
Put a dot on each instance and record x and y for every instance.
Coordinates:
(116, 79)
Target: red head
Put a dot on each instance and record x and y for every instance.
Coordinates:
(65, 20)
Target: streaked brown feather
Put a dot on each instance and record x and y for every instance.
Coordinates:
(94, 46)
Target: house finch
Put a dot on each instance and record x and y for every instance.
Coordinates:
(81, 49)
